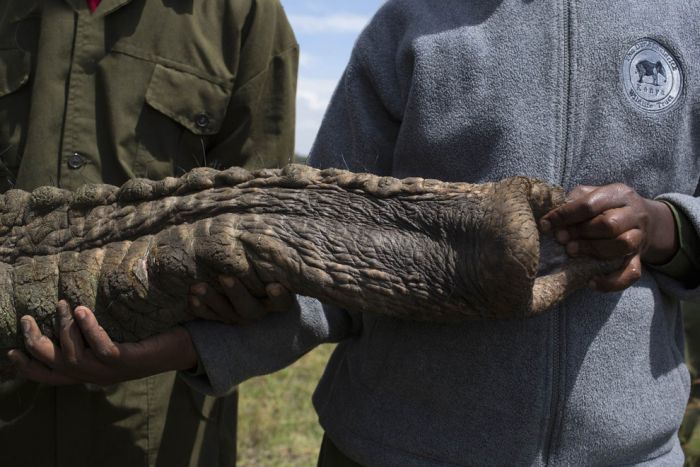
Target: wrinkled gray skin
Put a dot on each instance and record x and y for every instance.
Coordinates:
(414, 248)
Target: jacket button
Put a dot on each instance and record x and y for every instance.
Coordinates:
(76, 161)
(202, 120)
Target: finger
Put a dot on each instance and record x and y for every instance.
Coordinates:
(279, 298)
(627, 244)
(545, 224)
(102, 346)
(199, 305)
(587, 206)
(251, 281)
(247, 307)
(219, 304)
(35, 371)
(200, 310)
(610, 224)
(620, 279)
(38, 345)
(70, 337)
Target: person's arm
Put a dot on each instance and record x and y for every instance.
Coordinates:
(229, 355)
(85, 353)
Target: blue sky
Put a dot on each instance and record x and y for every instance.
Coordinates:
(326, 31)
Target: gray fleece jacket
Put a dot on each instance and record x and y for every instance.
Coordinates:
(572, 92)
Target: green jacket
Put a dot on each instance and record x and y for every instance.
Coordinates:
(137, 89)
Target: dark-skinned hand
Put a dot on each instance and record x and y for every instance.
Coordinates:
(236, 305)
(86, 354)
(614, 221)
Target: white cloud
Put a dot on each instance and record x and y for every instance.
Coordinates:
(334, 23)
(313, 96)
(307, 59)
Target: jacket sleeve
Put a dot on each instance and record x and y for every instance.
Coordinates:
(229, 355)
(258, 131)
(685, 288)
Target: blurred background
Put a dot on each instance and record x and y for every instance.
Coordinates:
(277, 423)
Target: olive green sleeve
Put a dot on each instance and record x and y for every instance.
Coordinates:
(259, 128)
(685, 265)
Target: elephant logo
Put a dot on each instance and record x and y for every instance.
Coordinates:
(652, 77)
(646, 68)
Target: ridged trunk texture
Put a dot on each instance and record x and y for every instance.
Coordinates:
(414, 248)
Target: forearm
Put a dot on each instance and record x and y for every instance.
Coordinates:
(230, 355)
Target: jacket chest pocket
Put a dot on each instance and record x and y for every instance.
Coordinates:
(15, 66)
(182, 112)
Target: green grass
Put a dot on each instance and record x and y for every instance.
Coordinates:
(277, 425)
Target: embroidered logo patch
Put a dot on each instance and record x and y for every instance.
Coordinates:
(652, 77)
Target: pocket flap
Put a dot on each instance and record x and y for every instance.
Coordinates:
(14, 70)
(196, 103)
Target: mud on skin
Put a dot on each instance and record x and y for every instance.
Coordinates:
(414, 248)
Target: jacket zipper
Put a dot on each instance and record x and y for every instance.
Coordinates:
(566, 101)
(558, 317)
